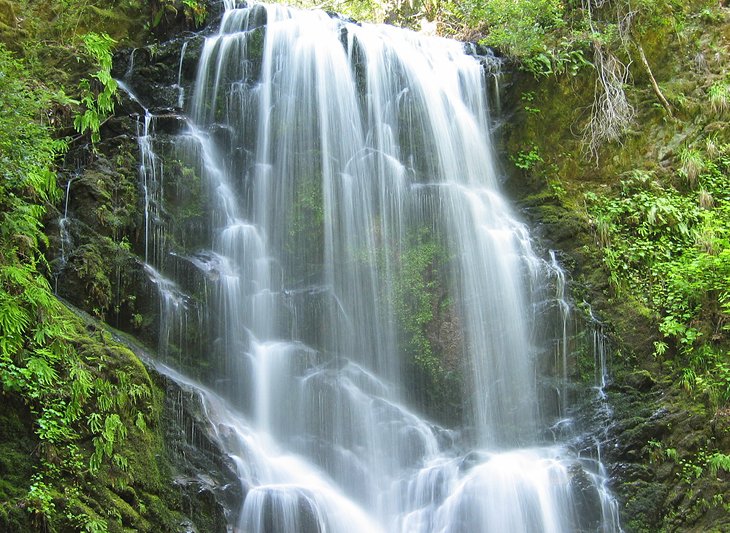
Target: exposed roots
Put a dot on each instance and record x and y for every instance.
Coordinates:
(611, 112)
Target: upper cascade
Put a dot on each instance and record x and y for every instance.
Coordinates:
(350, 190)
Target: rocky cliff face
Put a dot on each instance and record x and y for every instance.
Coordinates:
(663, 440)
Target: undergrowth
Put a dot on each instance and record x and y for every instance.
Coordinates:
(81, 412)
(669, 243)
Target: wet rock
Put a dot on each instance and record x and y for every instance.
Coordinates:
(721, 428)
(645, 503)
(274, 510)
(640, 380)
(471, 460)
(169, 123)
(632, 434)
(204, 474)
(586, 498)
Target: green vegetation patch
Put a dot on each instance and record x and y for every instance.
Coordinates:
(428, 325)
(669, 244)
(92, 411)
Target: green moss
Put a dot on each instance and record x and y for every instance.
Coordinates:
(139, 495)
(428, 326)
(255, 45)
(641, 508)
(306, 225)
(7, 13)
(17, 463)
(130, 488)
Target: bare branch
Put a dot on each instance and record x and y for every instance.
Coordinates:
(654, 84)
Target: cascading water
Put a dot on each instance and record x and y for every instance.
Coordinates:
(329, 151)
(65, 239)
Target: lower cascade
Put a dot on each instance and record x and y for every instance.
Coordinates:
(352, 264)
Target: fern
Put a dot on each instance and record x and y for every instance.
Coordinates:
(39, 370)
(97, 98)
(718, 461)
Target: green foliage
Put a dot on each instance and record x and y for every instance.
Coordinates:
(718, 461)
(415, 300)
(546, 36)
(43, 359)
(692, 164)
(97, 97)
(694, 469)
(527, 160)
(719, 97)
(528, 98)
(420, 301)
(671, 248)
(27, 152)
(695, 465)
(517, 27)
(194, 11)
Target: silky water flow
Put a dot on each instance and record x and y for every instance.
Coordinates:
(330, 151)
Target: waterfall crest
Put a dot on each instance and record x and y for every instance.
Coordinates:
(328, 151)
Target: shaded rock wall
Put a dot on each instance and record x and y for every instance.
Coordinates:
(659, 439)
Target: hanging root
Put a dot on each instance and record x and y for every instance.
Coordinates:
(611, 112)
(625, 24)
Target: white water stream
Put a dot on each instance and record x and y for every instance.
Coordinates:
(328, 150)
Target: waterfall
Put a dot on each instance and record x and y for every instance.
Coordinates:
(328, 152)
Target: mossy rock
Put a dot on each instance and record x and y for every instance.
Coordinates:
(641, 380)
(145, 495)
(121, 24)
(642, 509)
(18, 460)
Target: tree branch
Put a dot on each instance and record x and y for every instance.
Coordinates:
(654, 84)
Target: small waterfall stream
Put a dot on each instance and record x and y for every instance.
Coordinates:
(329, 151)
(64, 236)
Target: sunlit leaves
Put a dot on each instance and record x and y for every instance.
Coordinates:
(97, 99)
(670, 247)
(717, 462)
